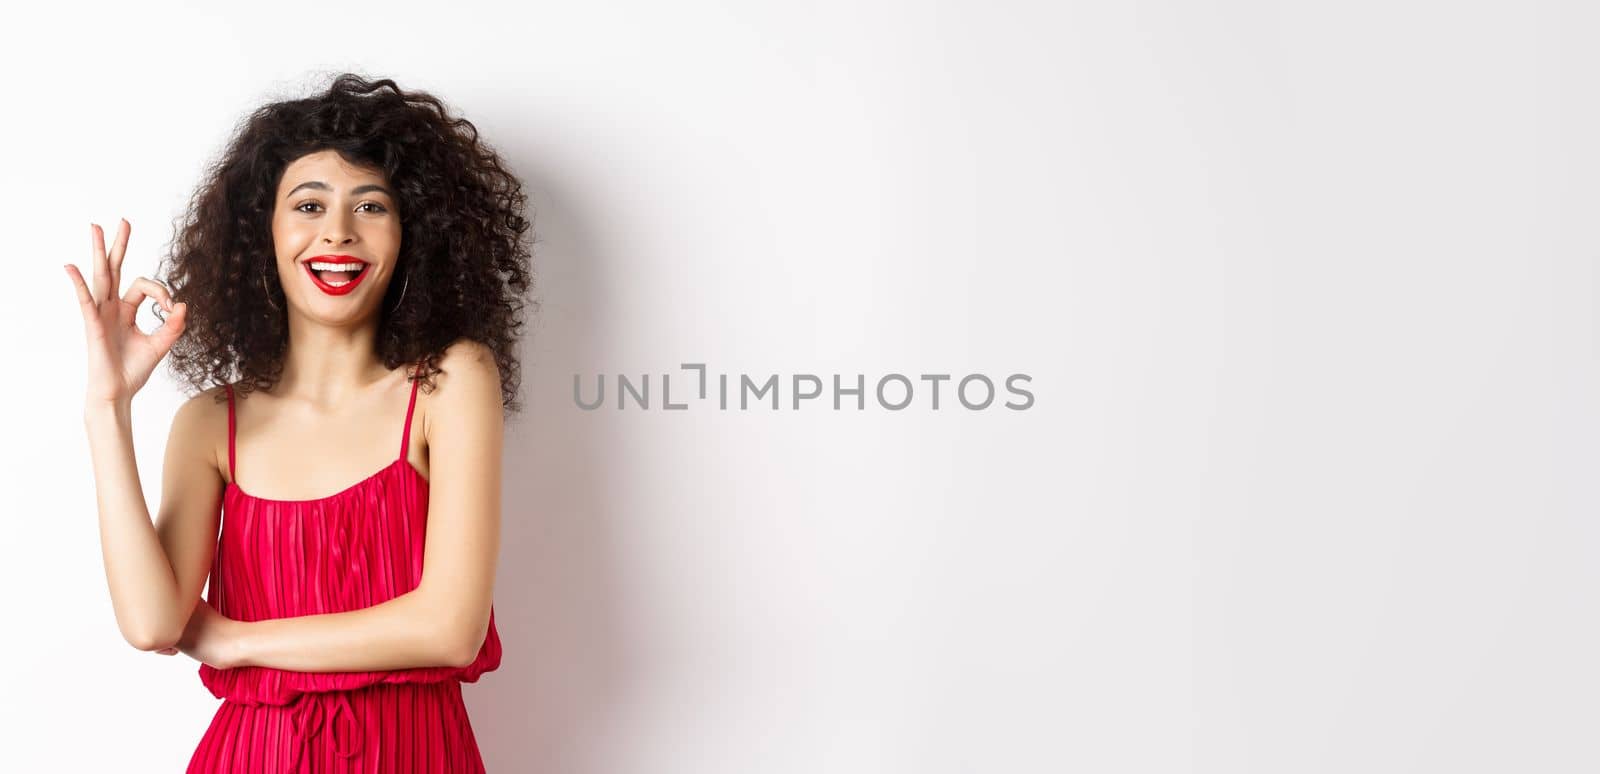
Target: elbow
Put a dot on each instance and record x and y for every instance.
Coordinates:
(460, 659)
(457, 642)
(149, 639)
(450, 634)
(147, 630)
(465, 649)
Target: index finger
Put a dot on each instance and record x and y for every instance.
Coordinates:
(85, 298)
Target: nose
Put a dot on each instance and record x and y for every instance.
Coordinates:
(337, 231)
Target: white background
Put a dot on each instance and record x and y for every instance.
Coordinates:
(1306, 291)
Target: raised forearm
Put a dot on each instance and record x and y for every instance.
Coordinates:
(412, 630)
(144, 589)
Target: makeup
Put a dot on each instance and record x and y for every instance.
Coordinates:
(340, 274)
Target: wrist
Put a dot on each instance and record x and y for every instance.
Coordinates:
(97, 410)
(237, 649)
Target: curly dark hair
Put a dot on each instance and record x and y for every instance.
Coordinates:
(462, 237)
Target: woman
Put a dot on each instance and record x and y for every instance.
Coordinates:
(345, 250)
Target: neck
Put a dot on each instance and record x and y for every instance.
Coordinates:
(327, 364)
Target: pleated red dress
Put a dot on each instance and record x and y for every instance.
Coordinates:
(352, 549)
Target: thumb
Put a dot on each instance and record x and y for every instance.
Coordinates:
(172, 327)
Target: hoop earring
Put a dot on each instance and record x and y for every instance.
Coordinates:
(270, 302)
(402, 297)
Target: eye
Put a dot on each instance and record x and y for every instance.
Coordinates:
(376, 207)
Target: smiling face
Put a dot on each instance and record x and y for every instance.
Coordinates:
(336, 234)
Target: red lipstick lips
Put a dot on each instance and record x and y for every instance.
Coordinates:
(336, 263)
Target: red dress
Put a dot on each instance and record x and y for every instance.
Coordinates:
(352, 549)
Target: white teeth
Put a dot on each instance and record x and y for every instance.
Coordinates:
(324, 266)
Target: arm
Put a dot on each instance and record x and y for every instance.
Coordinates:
(445, 619)
(154, 571)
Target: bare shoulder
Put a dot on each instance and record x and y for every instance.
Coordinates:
(466, 364)
(470, 355)
(200, 429)
(469, 385)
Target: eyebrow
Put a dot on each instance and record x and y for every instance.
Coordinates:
(357, 191)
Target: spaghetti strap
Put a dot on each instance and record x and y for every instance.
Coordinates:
(405, 435)
(233, 471)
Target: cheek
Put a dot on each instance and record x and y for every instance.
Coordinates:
(388, 232)
(289, 237)
(388, 236)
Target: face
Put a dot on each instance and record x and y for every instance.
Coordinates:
(336, 233)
